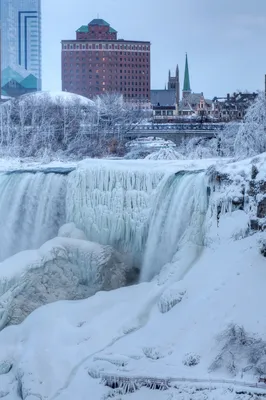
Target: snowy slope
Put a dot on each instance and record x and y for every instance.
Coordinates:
(151, 333)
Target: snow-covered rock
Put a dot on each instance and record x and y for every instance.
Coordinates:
(71, 231)
(62, 269)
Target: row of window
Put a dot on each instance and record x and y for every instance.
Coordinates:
(84, 68)
(104, 59)
(164, 112)
(85, 92)
(105, 54)
(141, 76)
(131, 84)
(77, 78)
(105, 46)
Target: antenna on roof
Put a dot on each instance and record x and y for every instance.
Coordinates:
(98, 16)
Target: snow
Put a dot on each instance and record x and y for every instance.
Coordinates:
(58, 96)
(165, 154)
(150, 143)
(142, 336)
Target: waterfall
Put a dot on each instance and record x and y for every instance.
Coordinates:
(148, 214)
(177, 220)
(112, 205)
(32, 208)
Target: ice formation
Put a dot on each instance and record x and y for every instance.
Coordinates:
(177, 222)
(112, 206)
(32, 208)
(122, 205)
(62, 269)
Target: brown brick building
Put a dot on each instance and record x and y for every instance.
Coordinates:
(97, 63)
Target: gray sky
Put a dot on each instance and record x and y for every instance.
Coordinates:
(224, 39)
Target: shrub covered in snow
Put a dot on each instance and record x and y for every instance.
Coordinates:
(240, 351)
(156, 352)
(191, 359)
(262, 246)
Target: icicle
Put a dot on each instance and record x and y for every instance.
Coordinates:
(112, 206)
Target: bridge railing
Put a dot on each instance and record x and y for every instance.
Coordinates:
(179, 127)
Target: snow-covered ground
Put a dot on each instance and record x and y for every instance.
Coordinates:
(182, 331)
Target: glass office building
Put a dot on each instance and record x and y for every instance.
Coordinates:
(20, 46)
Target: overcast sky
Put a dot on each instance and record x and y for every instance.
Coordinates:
(224, 39)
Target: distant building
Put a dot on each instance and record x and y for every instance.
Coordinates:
(165, 102)
(96, 62)
(20, 46)
(232, 107)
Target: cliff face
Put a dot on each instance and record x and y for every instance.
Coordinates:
(241, 186)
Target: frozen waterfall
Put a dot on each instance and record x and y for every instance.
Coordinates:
(112, 205)
(148, 214)
(177, 221)
(32, 208)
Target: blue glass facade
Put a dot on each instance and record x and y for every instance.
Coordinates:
(20, 46)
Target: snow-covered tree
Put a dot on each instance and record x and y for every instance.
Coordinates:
(64, 124)
(251, 136)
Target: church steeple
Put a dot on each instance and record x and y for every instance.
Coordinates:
(186, 87)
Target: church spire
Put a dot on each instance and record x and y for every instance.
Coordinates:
(186, 87)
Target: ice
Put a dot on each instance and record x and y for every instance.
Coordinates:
(32, 208)
(62, 269)
(112, 205)
(178, 215)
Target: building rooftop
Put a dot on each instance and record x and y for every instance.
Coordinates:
(163, 97)
(190, 101)
(103, 40)
(95, 22)
(98, 22)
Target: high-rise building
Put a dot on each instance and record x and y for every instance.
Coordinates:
(97, 63)
(20, 46)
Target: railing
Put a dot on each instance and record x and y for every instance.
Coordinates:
(179, 127)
